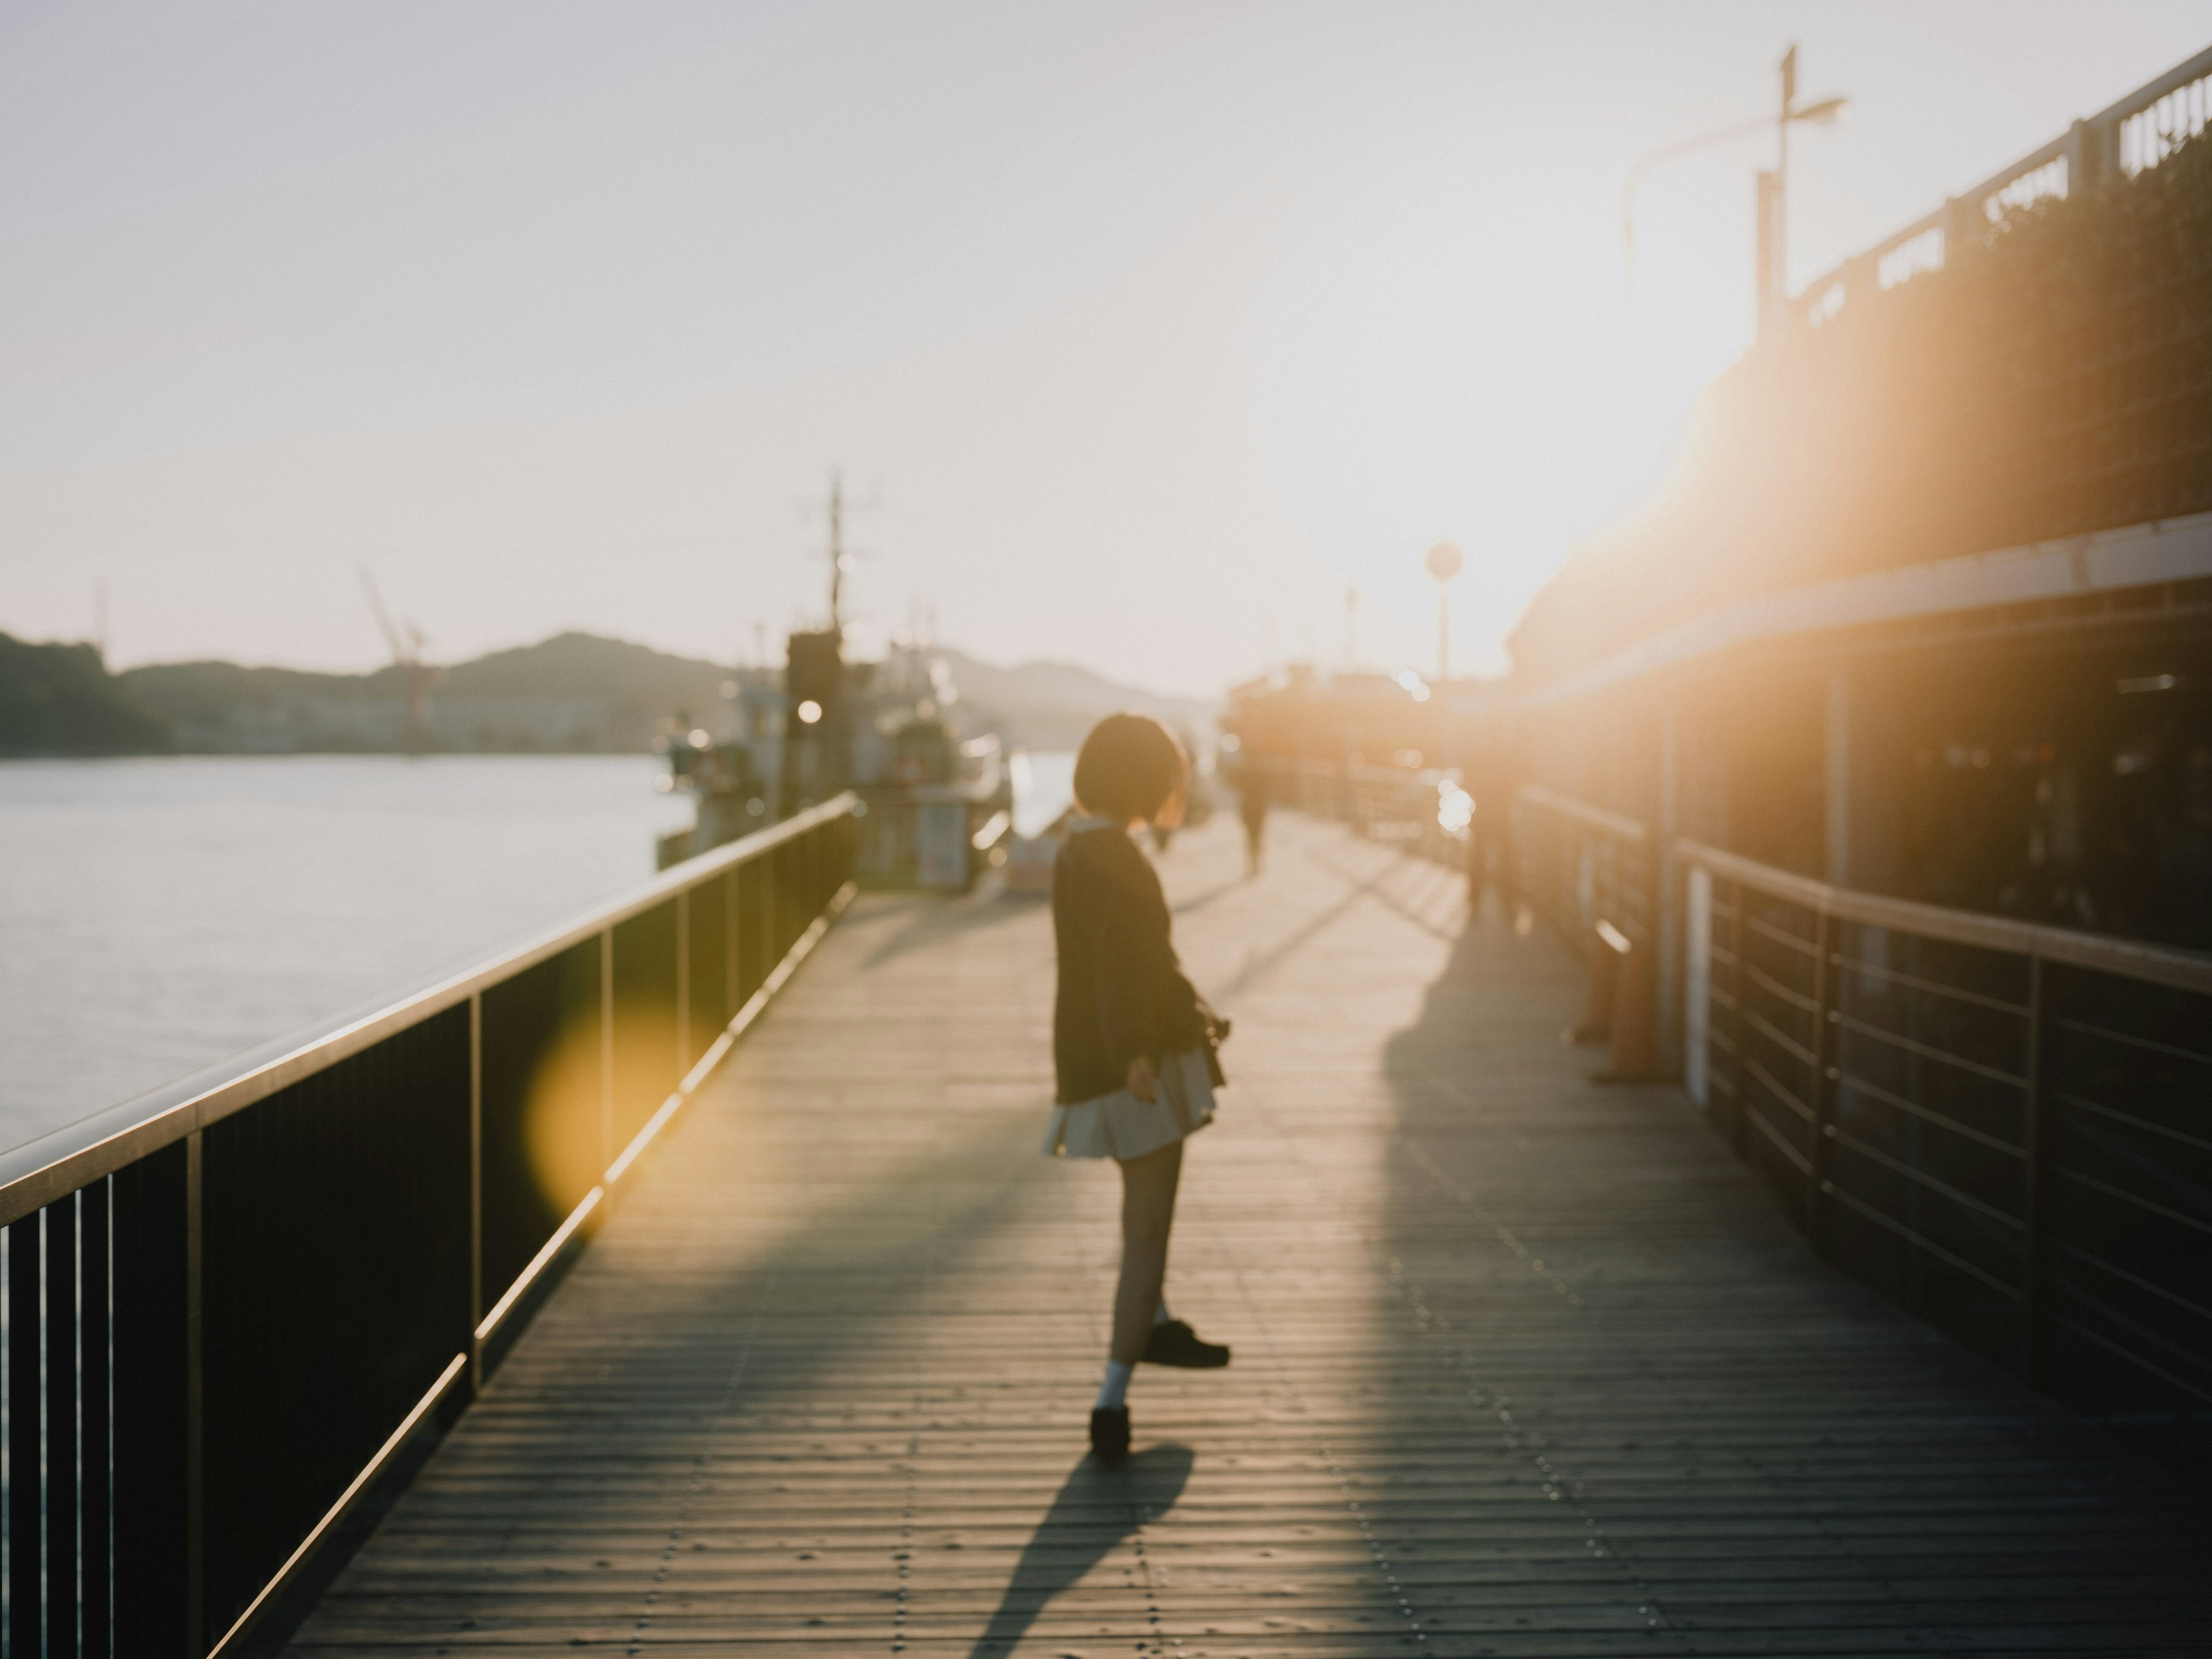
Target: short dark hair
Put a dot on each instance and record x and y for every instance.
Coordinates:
(1129, 767)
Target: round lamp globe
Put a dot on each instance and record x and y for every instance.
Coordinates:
(1444, 562)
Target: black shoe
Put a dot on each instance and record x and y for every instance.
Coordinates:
(1176, 1344)
(1109, 1433)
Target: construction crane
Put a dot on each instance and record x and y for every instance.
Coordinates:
(417, 677)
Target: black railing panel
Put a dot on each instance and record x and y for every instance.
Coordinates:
(708, 919)
(544, 1127)
(152, 1580)
(753, 959)
(647, 976)
(26, 1440)
(334, 1221)
(96, 1425)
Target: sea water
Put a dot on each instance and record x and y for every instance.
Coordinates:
(157, 915)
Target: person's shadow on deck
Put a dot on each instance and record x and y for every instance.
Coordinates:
(1096, 1510)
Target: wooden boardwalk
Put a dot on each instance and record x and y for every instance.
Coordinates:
(1523, 1365)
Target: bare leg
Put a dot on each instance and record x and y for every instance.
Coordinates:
(1148, 1196)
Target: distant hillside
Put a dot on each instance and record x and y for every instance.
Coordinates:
(590, 666)
(60, 700)
(1051, 705)
(575, 692)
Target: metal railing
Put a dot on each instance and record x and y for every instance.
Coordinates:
(229, 1304)
(1579, 865)
(2006, 1126)
(2137, 132)
(1427, 811)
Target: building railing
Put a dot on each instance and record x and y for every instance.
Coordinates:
(231, 1304)
(2006, 1126)
(2137, 132)
(1426, 810)
(1580, 865)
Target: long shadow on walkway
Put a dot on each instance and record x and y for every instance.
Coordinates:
(1096, 1510)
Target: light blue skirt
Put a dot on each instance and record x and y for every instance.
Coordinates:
(1120, 1124)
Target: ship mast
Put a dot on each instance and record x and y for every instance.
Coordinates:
(839, 560)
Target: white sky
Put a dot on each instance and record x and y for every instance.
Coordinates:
(1152, 326)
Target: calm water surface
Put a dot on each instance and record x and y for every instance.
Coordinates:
(157, 915)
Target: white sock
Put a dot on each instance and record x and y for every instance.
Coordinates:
(1115, 1388)
(1163, 1316)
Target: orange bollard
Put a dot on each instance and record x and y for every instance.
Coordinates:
(1635, 1054)
(1601, 989)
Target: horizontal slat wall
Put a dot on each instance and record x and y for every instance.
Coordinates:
(2128, 1082)
(1931, 1127)
(2017, 1148)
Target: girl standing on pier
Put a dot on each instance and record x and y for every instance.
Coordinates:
(1133, 1042)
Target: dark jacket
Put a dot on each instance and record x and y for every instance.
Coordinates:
(1121, 993)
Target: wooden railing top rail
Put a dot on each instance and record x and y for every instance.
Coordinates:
(2155, 964)
(39, 1171)
(1596, 817)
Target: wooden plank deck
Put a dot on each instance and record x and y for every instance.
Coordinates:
(1523, 1365)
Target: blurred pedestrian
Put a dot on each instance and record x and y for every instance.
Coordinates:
(1133, 1041)
(1252, 807)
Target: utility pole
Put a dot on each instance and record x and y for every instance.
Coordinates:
(1351, 628)
(836, 551)
(1782, 175)
(1772, 285)
(1444, 562)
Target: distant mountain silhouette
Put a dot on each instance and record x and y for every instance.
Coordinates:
(575, 692)
(1051, 705)
(61, 700)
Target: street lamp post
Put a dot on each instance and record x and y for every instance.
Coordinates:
(1773, 263)
(1824, 112)
(1443, 562)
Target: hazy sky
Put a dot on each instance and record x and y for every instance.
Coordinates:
(1150, 328)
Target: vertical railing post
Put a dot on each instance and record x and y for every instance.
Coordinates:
(1740, 1089)
(682, 984)
(475, 1191)
(152, 1423)
(26, 1451)
(764, 903)
(733, 992)
(63, 1590)
(1827, 1037)
(196, 1552)
(606, 1046)
(2039, 1140)
(96, 1587)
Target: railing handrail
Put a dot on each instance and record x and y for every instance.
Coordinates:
(2155, 964)
(1596, 817)
(2090, 129)
(39, 1171)
(2098, 561)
